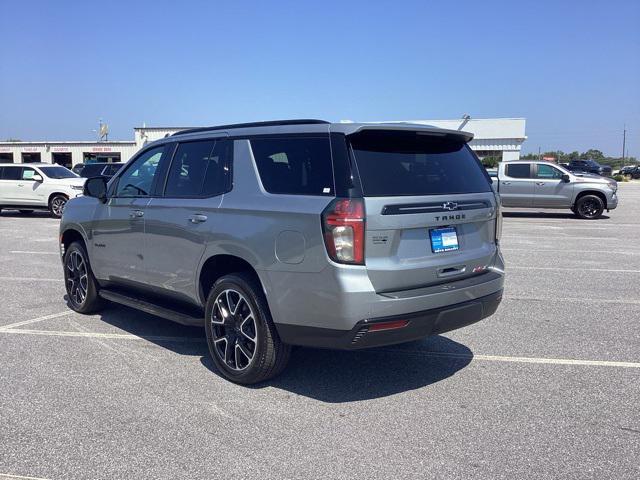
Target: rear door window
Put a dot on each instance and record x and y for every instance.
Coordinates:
(12, 173)
(294, 165)
(518, 170)
(200, 169)
(395, 163)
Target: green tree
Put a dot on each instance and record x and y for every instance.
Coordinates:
(592, 154)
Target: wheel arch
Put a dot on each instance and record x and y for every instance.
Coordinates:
(53, 194)
(219, 265)
(597, 193)
(69, 236)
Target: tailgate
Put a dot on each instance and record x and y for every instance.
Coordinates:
(398, 240)
(430, 208)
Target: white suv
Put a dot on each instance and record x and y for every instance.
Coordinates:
(37, 186)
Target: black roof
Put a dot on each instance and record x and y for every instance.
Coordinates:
(272, 123)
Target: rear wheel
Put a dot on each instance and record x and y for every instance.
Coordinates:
(589, 207)
(242, 338)
(56, 205)
(81, 285)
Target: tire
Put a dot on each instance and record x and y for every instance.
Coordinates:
(258, 354)
(82, 295)
(589, 207)
(26, 212)
(56, 204)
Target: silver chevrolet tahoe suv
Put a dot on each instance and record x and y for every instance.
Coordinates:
(298, 232)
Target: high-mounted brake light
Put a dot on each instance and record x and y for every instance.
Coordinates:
(343, 226)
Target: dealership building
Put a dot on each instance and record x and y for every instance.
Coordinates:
(493, 137)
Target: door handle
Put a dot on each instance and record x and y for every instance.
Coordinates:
(506, 183)
(136, 214)
(21, 184)
(539, 183)
(198, 218)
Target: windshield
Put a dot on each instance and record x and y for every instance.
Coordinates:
(393, 163)
(57, 172)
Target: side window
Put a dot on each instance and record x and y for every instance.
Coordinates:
(519, 170)
(547, 171)
(199, 169)
(137, 180)
(294, 165)
(28, 173)
(12, 173)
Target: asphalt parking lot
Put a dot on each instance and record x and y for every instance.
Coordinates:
(549, 387)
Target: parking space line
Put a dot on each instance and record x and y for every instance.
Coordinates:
(488, 358)
(570, 299)
(30, 279)
(19, 477)
(34, 320)
(564, 236)
(34, 253)
(580, 252)
(118, 336)
(569, 269)
(509, 359)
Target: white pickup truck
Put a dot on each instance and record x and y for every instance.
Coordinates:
(533, 184)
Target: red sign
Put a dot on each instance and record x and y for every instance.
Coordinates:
(60, 149)
(549, 159)
(30, 149)
(101, 149)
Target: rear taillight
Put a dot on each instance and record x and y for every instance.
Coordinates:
(343, 226)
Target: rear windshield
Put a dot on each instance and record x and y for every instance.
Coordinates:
(408, 163)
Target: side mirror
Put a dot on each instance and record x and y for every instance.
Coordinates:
(37, 177)
(96, 187)
(566, 178)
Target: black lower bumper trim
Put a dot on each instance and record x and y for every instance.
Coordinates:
(420, 325)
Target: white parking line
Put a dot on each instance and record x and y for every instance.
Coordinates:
(577, 300)
(30, 279)
(568, 269)
(562, 236)
(34, 253)
(578, 252)
(19, 477)
(34, 320)
(508, 359)
(118, 336)
(488, 358)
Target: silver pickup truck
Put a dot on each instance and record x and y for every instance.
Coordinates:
(532, 184)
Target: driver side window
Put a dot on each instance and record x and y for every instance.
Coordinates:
(547, 171)
(137, 180)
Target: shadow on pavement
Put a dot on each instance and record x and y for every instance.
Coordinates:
(331, 376)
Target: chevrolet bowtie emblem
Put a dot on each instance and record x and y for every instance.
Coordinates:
(450, 205)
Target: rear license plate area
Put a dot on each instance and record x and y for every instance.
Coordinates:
(444, 239)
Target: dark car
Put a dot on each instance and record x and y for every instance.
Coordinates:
(589, 166)
(632, 171)
(89, 170)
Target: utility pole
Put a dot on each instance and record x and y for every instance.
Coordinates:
(539, 154)
(624, 142)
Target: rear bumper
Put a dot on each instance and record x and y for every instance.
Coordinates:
(420, 325)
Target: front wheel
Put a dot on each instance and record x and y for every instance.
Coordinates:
(589, 207)
(56, 205)
(242, 338)
(81, 285)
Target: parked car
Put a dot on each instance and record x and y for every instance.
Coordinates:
(269, 236)
(533, 184)
(105, 169)
(37, 186)
(632, 171)
(589, 166)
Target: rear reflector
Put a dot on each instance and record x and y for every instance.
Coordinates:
(377, 327)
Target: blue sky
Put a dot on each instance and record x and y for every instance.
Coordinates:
(571, 68)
